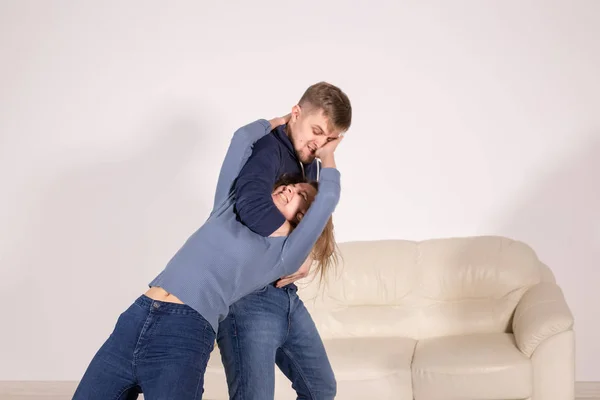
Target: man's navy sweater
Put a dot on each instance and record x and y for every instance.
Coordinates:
(272, 156)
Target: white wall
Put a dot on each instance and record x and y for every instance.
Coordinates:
(477, 117)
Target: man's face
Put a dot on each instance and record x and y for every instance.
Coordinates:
(310, 131)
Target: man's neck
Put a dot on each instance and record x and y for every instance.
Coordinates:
(287, 131)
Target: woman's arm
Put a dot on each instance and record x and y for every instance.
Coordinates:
(301, 241)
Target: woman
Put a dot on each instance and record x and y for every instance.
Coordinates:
(162, 342)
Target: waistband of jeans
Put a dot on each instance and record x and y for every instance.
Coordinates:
(166, 307)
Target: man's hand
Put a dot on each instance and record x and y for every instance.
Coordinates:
(300, 274)
(275, 122)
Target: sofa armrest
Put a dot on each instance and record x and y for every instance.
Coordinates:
(541, 313)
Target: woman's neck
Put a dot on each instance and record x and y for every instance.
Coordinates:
(284, 230)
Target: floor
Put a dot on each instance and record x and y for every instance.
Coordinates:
(64, 390)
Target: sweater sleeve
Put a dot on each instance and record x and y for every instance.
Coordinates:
(300, 242)
(253, 202)
(238, 153)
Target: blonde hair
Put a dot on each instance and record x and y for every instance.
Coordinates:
(325, 253)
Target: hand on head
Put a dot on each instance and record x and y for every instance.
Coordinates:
(329, 148)
(275, 122)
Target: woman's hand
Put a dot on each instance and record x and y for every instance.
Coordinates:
(325, 153)
(275, 122)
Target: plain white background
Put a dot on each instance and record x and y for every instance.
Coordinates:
(470, 118)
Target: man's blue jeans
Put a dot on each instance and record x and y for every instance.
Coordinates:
(272, 326)
(159, 348)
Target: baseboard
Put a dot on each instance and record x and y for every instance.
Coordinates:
(583, 390)
(587, 390)
(37, 388)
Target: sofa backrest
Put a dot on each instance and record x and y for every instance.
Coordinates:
(423, 289)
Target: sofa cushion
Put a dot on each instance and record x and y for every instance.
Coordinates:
(481, 366)
(372, 368)
(364, 368)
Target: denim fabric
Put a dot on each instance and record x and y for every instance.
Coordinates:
(158, 348)
(272, 327)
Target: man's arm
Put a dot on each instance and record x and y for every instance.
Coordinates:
(253, 188)
(238, 153)
(300, 274)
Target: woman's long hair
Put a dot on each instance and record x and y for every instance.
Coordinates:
(325, 252)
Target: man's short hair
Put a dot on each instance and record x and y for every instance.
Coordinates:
(334, 103)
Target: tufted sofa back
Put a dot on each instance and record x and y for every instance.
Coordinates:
(437, 287)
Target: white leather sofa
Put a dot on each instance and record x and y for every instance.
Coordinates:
(463, 318)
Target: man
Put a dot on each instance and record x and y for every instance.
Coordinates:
(272, 326)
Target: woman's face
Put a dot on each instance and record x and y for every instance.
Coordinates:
(293, 200)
